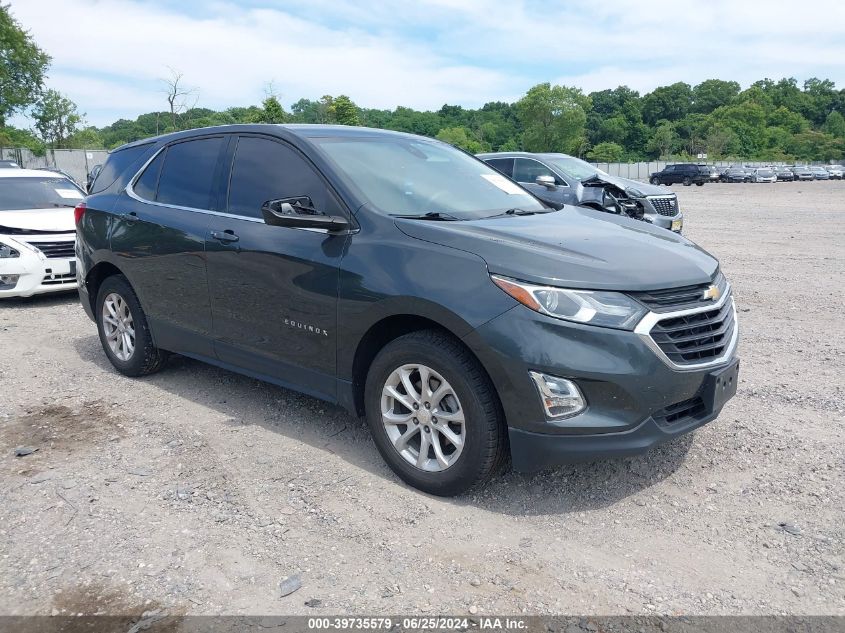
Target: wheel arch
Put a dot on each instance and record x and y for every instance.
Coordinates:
(95, 277)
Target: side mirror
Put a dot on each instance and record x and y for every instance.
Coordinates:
(546, 181)
(299, 213)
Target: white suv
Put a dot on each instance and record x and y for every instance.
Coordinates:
(37, 232)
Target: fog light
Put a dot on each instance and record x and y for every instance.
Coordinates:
(7, 282)
(561, 397)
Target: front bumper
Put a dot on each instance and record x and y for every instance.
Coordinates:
(630, 390)
(37, 273)
(674, 222)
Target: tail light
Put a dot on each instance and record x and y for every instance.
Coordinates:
(78, 212)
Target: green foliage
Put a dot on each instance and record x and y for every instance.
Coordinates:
(461, 137)
(271, 111)
(22, 67)
(344, 112)
(56, 118)
(663, 140)
(606, 153)
(553, 118)
(834, 125)
(13, 137)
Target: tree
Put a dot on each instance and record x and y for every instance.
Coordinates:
(606, 153)
(712, 93)
(56, 118)
(663, 140)
(553, 118)
(717, 140)
(460, 137)
(177, 95)
(834, 125)
(667, 102)
(344, 112)
(22, 67)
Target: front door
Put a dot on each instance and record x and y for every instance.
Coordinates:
(274, 289)
(526, 171)
(158, 239)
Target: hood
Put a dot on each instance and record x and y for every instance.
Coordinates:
(43, 220)
(576, 248)
(634, 188)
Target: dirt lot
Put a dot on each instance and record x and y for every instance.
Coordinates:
(198, 490)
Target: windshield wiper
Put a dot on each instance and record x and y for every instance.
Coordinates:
(431, 215)
(518, 212)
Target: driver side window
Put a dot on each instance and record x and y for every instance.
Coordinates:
(526, 170)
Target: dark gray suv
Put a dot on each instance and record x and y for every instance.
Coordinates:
(411, 284)
(563, 179)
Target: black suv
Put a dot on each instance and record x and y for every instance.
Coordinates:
(409, 283)
(683, 173)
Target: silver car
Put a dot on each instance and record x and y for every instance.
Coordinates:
(764, 174)
(836, 171)
(819, 173)
(563, 179)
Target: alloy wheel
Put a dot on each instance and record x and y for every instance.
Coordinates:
(423, 417)
(118, 326)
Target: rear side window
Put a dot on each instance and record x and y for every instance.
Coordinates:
(266, 170)
(117, 163)
(147, 185)
(504, 165)
(187, 175)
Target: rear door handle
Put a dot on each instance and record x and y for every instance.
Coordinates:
(225, 236)
(130, 217)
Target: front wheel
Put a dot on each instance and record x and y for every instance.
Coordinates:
(655, 181)
(434, 414)
(687, 181)
(123, 329)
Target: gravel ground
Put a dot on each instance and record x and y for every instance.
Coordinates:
(198, 490)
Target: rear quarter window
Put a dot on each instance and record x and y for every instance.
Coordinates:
(116, 164)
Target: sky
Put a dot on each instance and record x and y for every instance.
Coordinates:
(110, 56)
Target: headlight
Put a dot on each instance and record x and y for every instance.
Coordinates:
(7, 251)
(595, 307)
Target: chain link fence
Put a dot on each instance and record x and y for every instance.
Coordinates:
(75, 162)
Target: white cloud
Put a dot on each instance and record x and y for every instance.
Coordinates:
(420, 53)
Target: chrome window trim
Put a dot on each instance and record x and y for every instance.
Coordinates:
(643, 330)
(130, 191)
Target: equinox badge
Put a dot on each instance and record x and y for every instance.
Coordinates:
(711, 293)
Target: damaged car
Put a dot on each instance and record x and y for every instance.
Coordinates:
(37, 232)
(559, 179)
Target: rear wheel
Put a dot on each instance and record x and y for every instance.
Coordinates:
(124, 333)
(434, 414)
(687, 181)
(655, 180)
(699, 184)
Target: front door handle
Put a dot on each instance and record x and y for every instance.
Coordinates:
(225, 236)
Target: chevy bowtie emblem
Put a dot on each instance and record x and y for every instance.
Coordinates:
(711, 293)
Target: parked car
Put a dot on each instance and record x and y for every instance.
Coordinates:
(562, 179)
(764, 174)
(713, 172)
(9, 164)
(819, 173)
(340, 261)
(36, 232)
(802, 172)
(61, 171)
(735, 174)
(784, 174)
(684, 173)
(836, 171)
(92, 176)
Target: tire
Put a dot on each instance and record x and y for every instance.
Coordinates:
(484, 446)
(655, 181)
(699, 184)
(143, 357)
(687, 181)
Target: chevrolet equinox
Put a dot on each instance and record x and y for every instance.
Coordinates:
(410, 283)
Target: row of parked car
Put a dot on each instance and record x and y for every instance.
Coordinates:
(689, 174)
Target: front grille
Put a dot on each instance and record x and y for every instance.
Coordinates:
(696, 338)
(688, 409)
(667, 205)
(58, 280)
(55, 250)
(680, 298)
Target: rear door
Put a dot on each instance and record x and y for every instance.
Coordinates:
(159, 241)
(526, 171)
(274, 289)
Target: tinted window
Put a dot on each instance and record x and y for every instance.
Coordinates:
(146, 185)
(526, 170)
(116, 163)
(504, 165)
(38, 193)
(187, 176)
(267, 170)
(669, 168)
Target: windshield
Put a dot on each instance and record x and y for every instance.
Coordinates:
(765, 173)
(38, 193)
(408, 176)
(574, 167)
